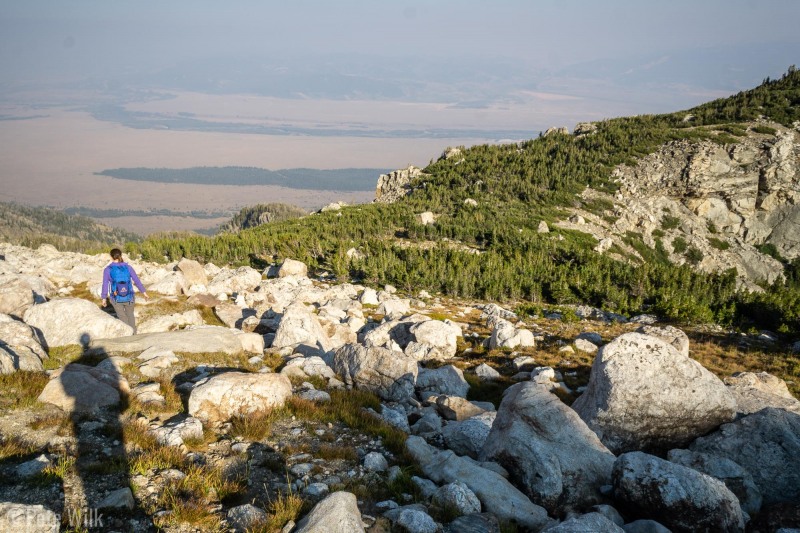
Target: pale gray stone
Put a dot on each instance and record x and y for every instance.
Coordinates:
(19, 517)
(416, 521)
(736, 478)
(587, 523)
(192, 272)
(237, 394)
(207, 339)
(456, 408)
(549, 451)
(496, 494)
(486, 373)
(390, 375)
(33, 467)
(675, 399)
(678, 497)
(300, 330)
(78, 388)
(468, 436)
(755, 391)
(247, 517)
(457, 496)
(447, 380)
(118, 499)
(767, 445)
(670, 335)
(645, 526)
(292, 267)
(375, 462)
(74, 321)
(337, 513)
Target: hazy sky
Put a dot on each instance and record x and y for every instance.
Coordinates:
(41, 37)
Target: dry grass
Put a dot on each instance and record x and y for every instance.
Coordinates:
(192, 499)
(21, 389)
(15, 447)
(256, 426)
(63, 355)
(58, 419)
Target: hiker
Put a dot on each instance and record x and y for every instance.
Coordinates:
(117, 277)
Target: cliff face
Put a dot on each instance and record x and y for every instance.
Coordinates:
(719, 202)
(395, 185)
(749, 190)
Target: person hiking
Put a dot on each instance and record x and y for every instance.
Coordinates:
(117, 288)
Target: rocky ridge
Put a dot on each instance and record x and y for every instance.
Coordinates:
(725, 201)
(167, 406)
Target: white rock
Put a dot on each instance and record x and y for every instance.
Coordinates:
(74, 321)
(237, 394)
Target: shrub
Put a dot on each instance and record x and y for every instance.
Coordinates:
(679, 245)
(719, 244)
(670, 222)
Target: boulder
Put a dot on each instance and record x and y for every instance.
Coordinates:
(551, 454)
(755, 391)
(232, 315)
(505, 335)
(393, 332)
(19, 347)
(80, 388)
(458, 497)
(588, 523)
(16, 296)
(300, 330)
(394, 307)
(486, 373)
(440, 336)
(171, 284)
(224, 396)
(229, 281)
(337, 513)
(291, 267)
(369, 297)
(192, 271)
(448, 380)
(681, 498)
(675, 399)
(456, 408)
(390, 375)
(206, 339)
(767, 445)
(247, 517)
(74, 321)
(468, 437)
(496, 494)
(736, 478)
(177, 430)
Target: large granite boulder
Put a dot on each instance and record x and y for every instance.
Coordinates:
(16, 296)
(675, 399)
(390, 375)
(681, 498)
(551, 454)
(496, 494)
(224, 396)
(292, 267)
(74, 321)
(467, 437)
(767, 445)
(506, 335)
(23, 518)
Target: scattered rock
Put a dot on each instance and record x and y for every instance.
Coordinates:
(224, 396)
(337, 513)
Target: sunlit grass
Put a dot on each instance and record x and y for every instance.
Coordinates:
(21, 389)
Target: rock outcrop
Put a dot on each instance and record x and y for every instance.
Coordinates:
(395, 185)
(675, 399)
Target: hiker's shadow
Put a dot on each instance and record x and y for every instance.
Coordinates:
(97, 490)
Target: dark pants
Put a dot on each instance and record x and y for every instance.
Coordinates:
(124, 312)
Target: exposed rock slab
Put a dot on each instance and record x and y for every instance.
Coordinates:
(74, 321)
(337, 513)
(207, 339)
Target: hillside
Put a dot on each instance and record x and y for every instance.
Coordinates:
(31, 226)
(489, 202)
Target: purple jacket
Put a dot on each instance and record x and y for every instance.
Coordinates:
(107, 280)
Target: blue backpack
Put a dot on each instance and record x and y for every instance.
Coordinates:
(121, 288)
